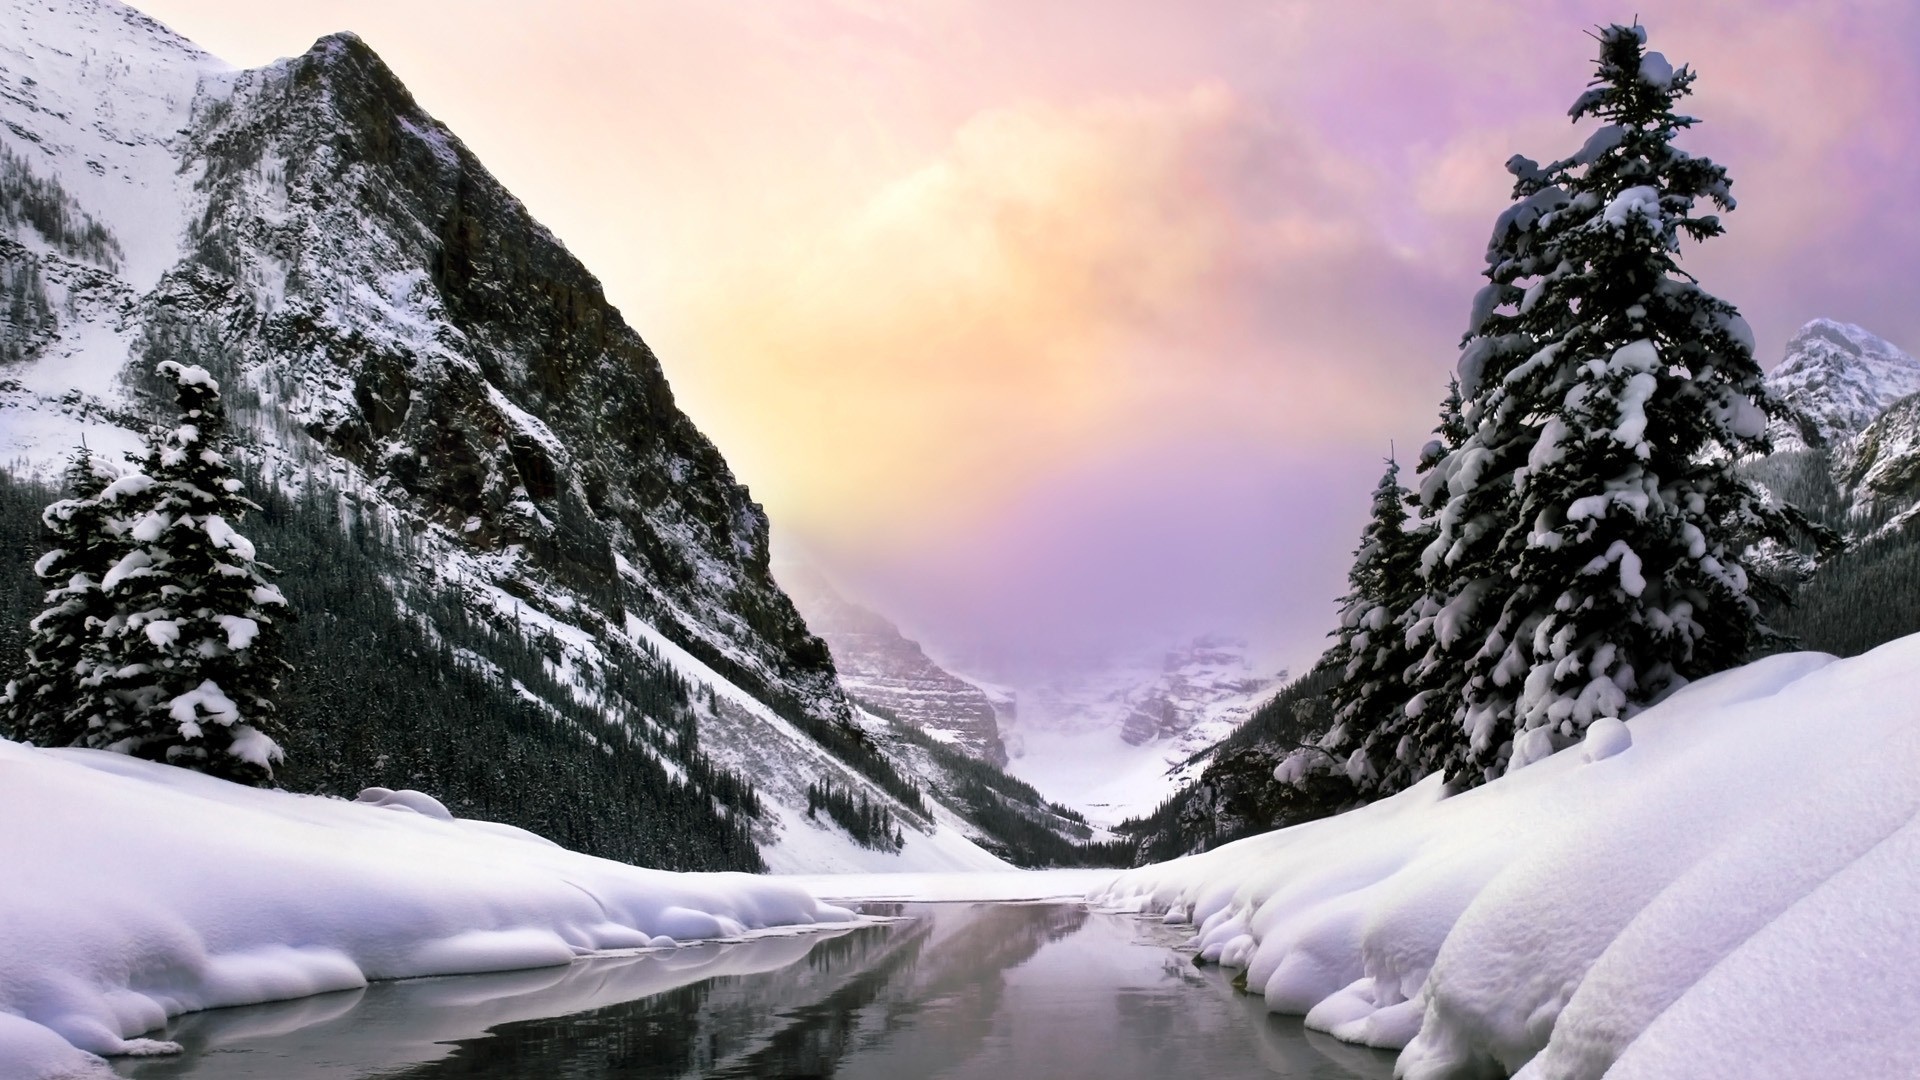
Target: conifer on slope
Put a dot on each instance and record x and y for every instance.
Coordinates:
(194, 637)
(1369, 649)
(1590, 533)
(50, 703)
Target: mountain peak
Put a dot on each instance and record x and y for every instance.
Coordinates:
(1836, 378)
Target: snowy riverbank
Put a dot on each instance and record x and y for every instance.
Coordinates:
(1735, 894)
(131, 892)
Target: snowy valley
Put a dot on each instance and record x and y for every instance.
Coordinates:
(400, 683)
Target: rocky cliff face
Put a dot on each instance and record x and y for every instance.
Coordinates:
(1880, 467)
(389, 321)
(878, 665)
(400, 307)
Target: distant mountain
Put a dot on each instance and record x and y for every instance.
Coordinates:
(1117, 741)
(1837, 378)
(497, 501)
(879, 665)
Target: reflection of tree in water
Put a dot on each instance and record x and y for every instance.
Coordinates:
(851, 992)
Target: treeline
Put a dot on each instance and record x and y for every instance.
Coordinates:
(856, 748)
(869, 823)
(1018, 824)
(26, 315)
(1864, 597)
(431, 696)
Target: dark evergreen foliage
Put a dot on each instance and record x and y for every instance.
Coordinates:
(27, 319)
(1236, 794)
(192, 663)
(1864, 597)
(1370, 653)
(870, 824)
(50, 703)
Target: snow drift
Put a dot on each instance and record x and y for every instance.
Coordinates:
(131, 892)
(1731, 891)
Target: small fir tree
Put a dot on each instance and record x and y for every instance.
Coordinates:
(1589, 532)
(195, 636)
(55, 695)
(1369, 649)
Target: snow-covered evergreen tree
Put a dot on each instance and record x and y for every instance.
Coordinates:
(55, 695)
(1589, 531)
(1369, 649)
(194, 636)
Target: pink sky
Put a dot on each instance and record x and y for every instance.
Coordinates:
(1054, 326)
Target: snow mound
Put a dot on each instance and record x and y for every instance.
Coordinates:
(406, 799)
(133, 892)
(1730, 890)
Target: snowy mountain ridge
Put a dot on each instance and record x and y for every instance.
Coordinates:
(388, 321)
(1853, 399)
(1837, 378)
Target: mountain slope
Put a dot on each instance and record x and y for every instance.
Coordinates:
(396, 334)
(879, 665)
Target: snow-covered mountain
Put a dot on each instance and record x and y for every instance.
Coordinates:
(1115, 743)
(1854, 403)
(880, 666)
(1837, 378)
(389, 322)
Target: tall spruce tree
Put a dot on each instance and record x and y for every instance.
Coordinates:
(1590, 533)
(1370, 651)
(52, 700)
(194, 636)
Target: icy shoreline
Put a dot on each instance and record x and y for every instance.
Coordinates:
(134, 892)
(1734, 894)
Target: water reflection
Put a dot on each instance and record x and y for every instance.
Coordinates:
(989, 991)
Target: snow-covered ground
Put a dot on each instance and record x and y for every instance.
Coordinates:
(1728, 886)
(131, 892)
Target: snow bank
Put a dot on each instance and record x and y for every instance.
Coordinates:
(131, 892)
(1733, 890)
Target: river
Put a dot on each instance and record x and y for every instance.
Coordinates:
(962, 991)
